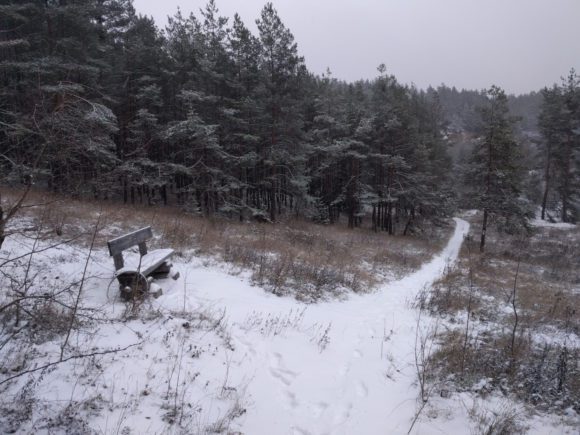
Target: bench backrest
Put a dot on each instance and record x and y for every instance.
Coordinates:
(118, 245)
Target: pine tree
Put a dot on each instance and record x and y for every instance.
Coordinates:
(495, 174)
(559, 123)
(212, 117)
(241, 140)
(566, 153)
(392, 147)
(196, 149)
(53, 57)
(326, 129)
(281, 68)
(550, 126)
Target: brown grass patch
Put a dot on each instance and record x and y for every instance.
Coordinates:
(312, 260)
(542, 371)
(544, 297)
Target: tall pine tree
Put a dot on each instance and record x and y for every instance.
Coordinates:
(494, 174)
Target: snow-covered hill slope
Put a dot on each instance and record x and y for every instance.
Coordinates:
(215, 354)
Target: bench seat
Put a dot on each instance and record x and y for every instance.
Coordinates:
(145, 264)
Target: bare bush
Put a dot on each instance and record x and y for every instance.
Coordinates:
(502, 421)
(506, 302)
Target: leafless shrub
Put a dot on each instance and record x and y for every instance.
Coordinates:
(17, 410)
(271, 325)
(321, 336)
(545, 376)
(72, 418)
(425, 335)
(223, 424)
(518, 291)
(503, 421)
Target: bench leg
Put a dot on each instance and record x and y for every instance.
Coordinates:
(132, 285)
(162, 271)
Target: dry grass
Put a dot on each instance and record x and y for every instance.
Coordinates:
(310, 260)
(543, 366)
(548, 283)
(546, 376)
(502, 421)
(449, 295)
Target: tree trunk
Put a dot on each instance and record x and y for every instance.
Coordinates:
(125, 191)
(272, 205)
(483, 231)
(547, 183)
(164, 194)
(2, 226)
(409, 222)
(566, 186)
(390, 228)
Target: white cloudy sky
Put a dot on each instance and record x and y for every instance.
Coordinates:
(521, 45)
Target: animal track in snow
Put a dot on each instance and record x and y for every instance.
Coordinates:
(357, 354)
(291, 399)
(278, 376)
(282, 374)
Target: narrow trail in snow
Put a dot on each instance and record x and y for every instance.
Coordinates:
(363, 381)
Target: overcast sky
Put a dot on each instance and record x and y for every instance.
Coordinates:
(521, 45)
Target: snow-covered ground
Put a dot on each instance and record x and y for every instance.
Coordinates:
(214, 353)
(546, 224)
(539, 222)
(346, 367)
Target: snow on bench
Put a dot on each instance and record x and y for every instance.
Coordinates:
(145, 264)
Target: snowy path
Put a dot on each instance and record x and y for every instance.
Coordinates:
(359, 377)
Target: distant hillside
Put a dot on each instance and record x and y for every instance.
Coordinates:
(460, 108)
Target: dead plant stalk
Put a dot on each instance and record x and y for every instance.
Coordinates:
(81, 285)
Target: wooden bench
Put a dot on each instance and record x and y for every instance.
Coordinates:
(136, 274)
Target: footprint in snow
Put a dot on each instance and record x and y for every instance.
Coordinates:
(249, 347)
(361, 389)
(319, 409)
(343, 414)
(291, 400)
(299, 431)
(343, 370)
(357, 354)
